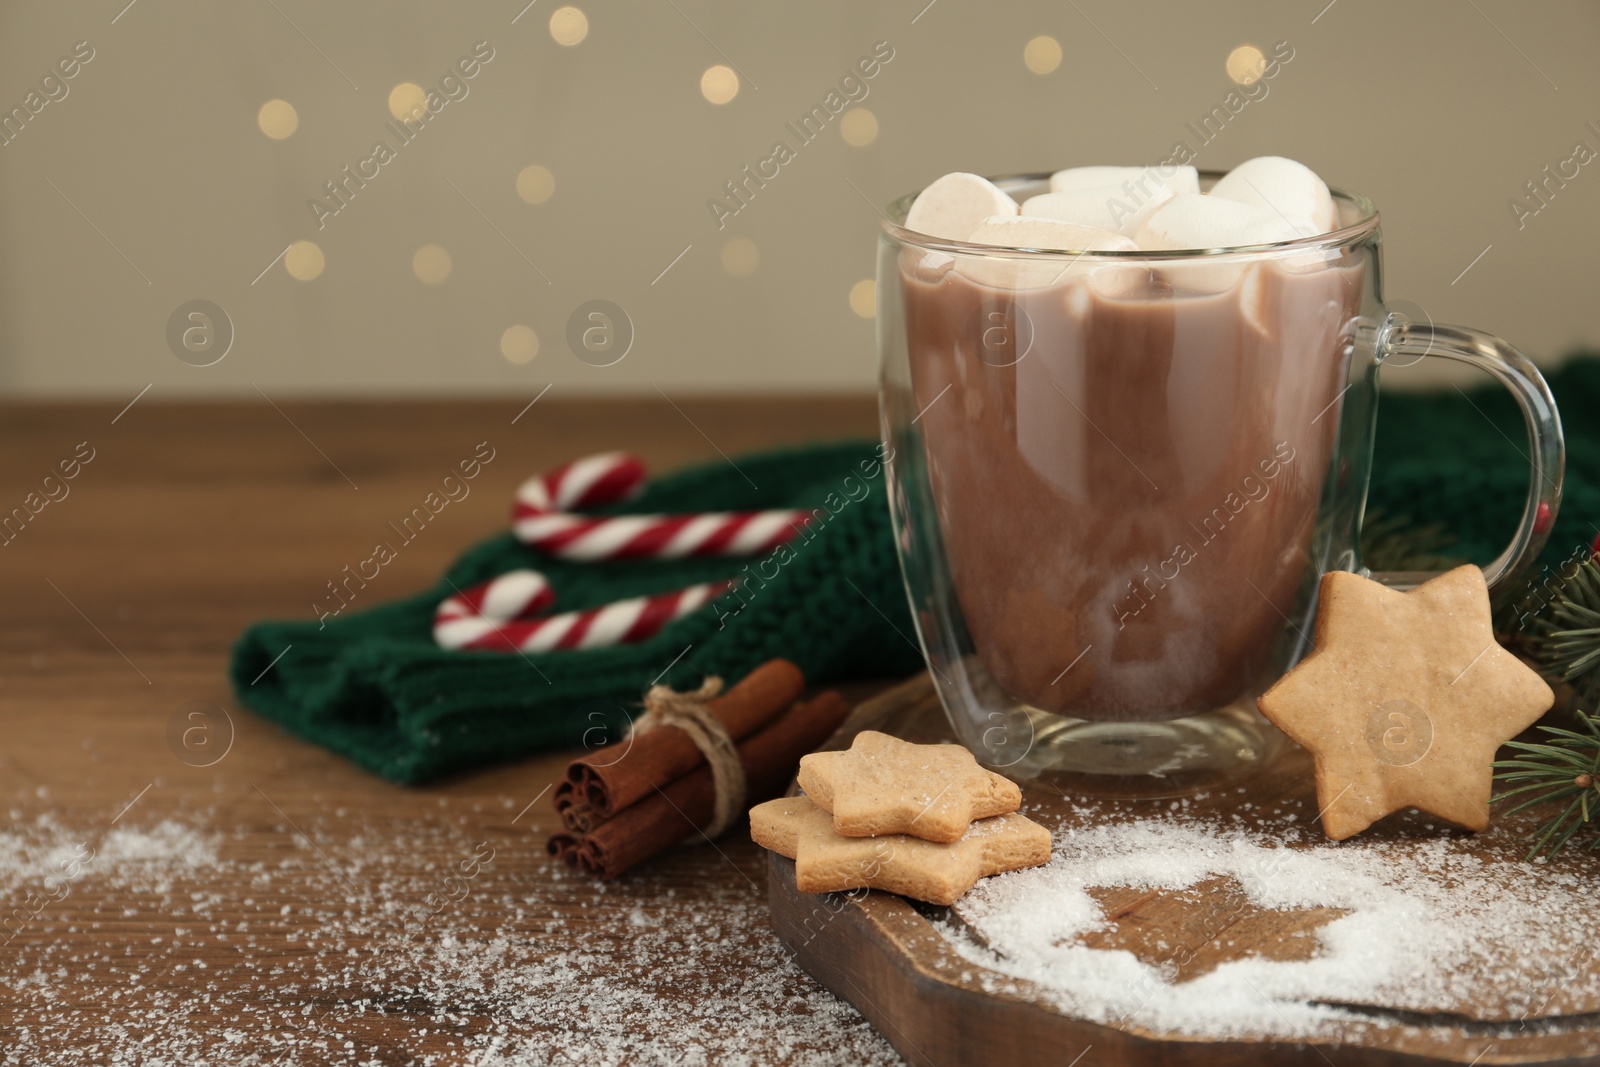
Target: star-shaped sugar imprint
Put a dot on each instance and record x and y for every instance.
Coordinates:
(883, 785)
(1190, 932)
(828, 862)
(1405, 700)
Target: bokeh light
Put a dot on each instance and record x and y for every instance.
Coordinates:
(1042, 54)
(1245, 64)
(569, 26)
(519, 344)
(864, 298)
(277, 119)
(535, 184)
(303, 260)
(406, 99)
(719, 84)
(858, 127)
(431, 264)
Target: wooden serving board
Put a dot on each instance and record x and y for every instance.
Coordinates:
(893, 959)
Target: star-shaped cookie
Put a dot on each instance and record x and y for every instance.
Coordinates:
(827, 862)
(883, 785)
(1405, 700)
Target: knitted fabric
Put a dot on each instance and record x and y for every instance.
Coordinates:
(375, 688)
(1439, 460)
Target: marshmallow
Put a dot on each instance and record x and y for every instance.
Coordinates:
(1291, 188)
(925, 266)
(954, 205)
(1255, 296)
(1025, 232)
(1274, 298)
(1144, 179)
(1105, 207)
(1199, 221)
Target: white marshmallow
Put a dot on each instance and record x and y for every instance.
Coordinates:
(1199, 221)
(1105, 207)
(1026, 231)
(1273, 181)
(1022, 231)
(1178, 179)
(1254, 295)
(925, 266)
(954, 205)
(1195, 221)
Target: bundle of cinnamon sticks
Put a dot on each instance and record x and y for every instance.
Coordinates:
(631, 801)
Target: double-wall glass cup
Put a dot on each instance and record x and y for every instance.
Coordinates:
(1117, 478)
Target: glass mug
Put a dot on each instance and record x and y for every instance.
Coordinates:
(1117, 478)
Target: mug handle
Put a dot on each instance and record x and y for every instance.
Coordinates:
(1547, 453)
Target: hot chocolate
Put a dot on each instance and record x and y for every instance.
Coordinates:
(1127, 468)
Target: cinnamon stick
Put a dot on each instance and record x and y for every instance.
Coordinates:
(576, 814)
(675, 811)
(563, 847)
(610, 779)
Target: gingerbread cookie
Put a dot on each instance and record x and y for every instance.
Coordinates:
(883, 785)
(825, 861)
(1405, 700)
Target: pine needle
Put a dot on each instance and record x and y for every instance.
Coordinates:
(1565, 632)
(1566, 767)
(1395, 543)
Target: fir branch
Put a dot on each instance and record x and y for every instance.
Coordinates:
(1396, 543)
(1564, 768)
(1564, 635)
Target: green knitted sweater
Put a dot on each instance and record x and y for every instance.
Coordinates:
(374, 687)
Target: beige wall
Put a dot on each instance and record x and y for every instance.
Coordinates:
(1429, 108)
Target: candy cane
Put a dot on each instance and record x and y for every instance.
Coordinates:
(498, 615)
(513, 595)
(507, 613)
(542, 517)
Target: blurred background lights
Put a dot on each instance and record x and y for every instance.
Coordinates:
(303, 260)
(864, 298)
(740, 257)
(719, 84)
(519, 343)
(858, 127)
(431, 264)
(1042, 54)
(277, 119)
(406, 99)
(1245, 64)
(569, 26)
(535, 184)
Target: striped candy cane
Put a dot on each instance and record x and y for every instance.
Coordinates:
(507, 613)
(543, 517)
(513, 595)
(500, 615)
(474, 614)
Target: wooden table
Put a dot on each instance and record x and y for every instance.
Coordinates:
(233, 912)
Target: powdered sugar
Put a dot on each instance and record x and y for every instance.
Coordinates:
(1430, 927)
(201, 940)
(46, 848)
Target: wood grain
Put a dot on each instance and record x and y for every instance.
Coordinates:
(937, 1007)
(120, 604)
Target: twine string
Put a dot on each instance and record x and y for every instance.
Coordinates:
(689, 712)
